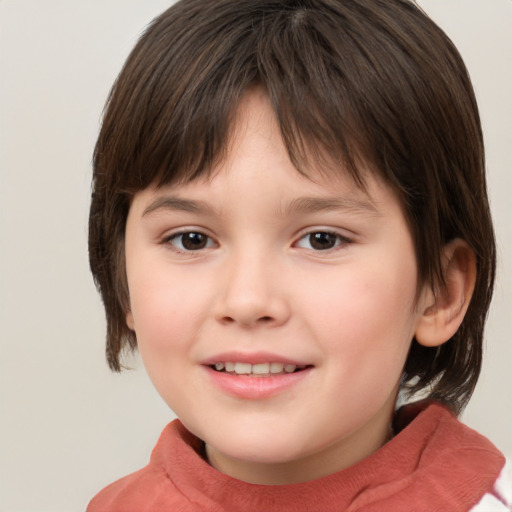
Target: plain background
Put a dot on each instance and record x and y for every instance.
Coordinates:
(68, 426)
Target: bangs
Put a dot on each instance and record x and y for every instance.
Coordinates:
(170, 121)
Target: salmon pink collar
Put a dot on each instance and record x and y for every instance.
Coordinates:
(433, 463)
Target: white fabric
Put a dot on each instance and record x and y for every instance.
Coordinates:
(501, 498)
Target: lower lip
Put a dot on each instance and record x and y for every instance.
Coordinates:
(256, 388)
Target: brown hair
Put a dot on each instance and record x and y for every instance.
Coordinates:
(360, 80)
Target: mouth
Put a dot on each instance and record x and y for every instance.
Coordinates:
(256, 376)
(270, 369)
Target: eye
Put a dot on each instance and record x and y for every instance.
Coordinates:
(190, 241)
(322, 241)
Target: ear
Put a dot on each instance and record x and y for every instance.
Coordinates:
(442, 311)
(129, 320)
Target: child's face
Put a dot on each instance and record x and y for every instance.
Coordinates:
(261, 265)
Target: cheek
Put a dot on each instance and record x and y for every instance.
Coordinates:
(369, 310)
(164, 327)
(159, 307)
(170, 312)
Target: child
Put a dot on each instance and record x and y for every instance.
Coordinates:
(290, 221)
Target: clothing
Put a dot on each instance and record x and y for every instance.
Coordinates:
(435, 463)
(500, 498)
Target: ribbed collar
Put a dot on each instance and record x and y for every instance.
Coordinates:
(433, 464)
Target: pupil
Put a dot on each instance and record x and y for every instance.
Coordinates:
(194, 241)
(322, 241)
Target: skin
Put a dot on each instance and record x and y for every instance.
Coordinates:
(259, 284)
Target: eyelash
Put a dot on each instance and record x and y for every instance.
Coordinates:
(179, 236)
(340, 241)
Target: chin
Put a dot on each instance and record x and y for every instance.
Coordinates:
(260, 448)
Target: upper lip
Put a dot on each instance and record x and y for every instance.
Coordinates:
(252, 358)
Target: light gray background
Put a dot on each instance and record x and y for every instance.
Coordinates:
(67, 425)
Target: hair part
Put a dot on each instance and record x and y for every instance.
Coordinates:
(373, 81)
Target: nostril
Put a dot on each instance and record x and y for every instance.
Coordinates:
(265, 319)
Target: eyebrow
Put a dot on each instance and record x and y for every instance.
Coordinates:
(297, 206)
(319, 204)
(178, 204)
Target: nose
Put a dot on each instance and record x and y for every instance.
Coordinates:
(252, 295)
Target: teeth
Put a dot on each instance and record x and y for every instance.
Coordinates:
(259, 369)
(276, 367)
(243, 368)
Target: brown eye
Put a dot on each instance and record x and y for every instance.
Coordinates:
(322, 241)
(190, 241)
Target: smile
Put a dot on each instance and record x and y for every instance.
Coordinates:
(256, 370)
(256, 381)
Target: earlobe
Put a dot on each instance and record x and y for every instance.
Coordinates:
(444, 310)
(129, 321)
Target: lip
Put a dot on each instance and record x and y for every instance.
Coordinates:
(250, 387)
(252, 358)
